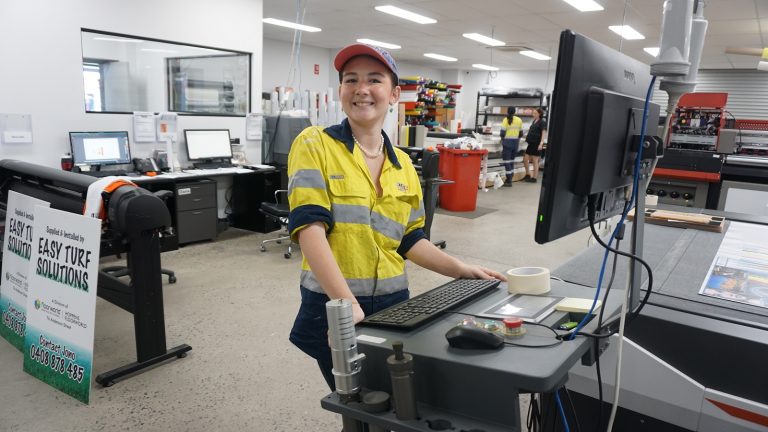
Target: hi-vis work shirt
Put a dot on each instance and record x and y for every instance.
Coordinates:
(513, 130)
(329, 182)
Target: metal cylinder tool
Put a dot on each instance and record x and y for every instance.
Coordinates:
(347, 363)
(400, 367)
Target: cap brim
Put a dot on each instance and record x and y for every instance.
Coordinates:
(355, 50)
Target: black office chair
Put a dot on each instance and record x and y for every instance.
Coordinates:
(120, 271)
(278, 212)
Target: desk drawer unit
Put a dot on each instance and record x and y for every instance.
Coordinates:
(196, 211)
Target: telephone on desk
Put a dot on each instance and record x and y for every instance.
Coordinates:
(145, 165)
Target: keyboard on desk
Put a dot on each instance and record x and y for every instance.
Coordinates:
(102, 174)
(419, 310)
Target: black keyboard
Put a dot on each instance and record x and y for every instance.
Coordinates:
(419, 310)
(102, 174)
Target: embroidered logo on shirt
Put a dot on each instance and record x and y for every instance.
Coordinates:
(401, 187)
(336, 176)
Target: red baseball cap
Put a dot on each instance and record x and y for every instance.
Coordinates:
(353, 50)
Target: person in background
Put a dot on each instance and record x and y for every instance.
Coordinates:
(537, 133)
(356, 208)
(511, 129)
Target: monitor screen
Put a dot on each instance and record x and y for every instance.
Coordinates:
(596, 113)
(207, 143)
(100, 148)
(279, 133)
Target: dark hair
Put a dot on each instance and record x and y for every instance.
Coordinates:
(510, 113)
(391, 74)
(540, 111)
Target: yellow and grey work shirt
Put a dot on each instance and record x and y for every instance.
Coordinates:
(369, 235)
(513, 129)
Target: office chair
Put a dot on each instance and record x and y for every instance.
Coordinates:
(120, 271)
(278, 212)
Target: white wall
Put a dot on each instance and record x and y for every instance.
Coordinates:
(41, 71)
(277, 55)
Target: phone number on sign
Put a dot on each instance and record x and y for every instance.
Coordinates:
(57, 363)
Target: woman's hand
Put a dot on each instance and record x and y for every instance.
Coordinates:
(476, 272)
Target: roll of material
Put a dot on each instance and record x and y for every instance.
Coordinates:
(528, 280)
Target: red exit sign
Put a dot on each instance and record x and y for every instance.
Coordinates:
(317, 69)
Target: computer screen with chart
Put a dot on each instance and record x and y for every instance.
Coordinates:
(100, 148)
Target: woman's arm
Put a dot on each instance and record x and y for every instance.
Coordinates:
(429, 256)
(315, 247)
(543, 137)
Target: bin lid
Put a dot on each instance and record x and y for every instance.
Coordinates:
(444, 149)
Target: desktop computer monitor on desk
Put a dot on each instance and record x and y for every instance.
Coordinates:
(97, 149)
(279, 133)
(208, 148)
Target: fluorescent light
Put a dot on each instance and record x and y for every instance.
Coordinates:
(535, 55)
(653, 51)
(626, 32)
(404, 14)
(386, 45)
(483, 39)
(485, 67)
(762, 65)
(158, 50)
(440, 57)
(290, 24)
(116, 40)
(585, 5)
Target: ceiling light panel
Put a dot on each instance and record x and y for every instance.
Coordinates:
(626, 32)
(585, 5)
(293, 25)
(386, 45)
(653, 51)
(404, 14)
(485, 67)
(535, 55)
(483, 39)
(440, 57)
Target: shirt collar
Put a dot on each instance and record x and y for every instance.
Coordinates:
(343, 133)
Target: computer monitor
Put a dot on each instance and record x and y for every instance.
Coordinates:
(594, 128)
(208, 144)
(100, 148)
(279, 133)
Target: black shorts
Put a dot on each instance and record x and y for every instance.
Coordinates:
(533, 150)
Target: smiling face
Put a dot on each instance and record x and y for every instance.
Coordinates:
(367, 91)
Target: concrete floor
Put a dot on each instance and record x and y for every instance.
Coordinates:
(235, 306)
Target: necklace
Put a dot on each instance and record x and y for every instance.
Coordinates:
(368, 154)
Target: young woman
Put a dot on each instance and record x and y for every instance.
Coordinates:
(356, 207)
(535, 139)
(511, 127)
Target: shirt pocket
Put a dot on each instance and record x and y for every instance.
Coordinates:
(347, 189)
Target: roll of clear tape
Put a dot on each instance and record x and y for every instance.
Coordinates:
(528, 280)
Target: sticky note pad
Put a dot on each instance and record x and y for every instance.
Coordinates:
(581, 305)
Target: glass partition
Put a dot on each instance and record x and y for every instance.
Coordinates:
(123, 74)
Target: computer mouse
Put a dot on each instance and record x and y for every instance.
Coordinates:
(468, 337)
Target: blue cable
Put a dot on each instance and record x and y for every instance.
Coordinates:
(635, 181)
(562, 411)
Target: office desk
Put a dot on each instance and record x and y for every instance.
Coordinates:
(249, 189)
(474, 389)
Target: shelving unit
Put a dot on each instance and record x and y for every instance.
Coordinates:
(427, 102)
(495, 104)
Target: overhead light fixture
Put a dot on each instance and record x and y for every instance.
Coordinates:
(485, 67)
(653, 51)
(483, 39)
(626, 32)
(585, 5)
(440, 57)
(404, 14)
(108, 39)
(290, 24)
(535, 55)
(762, 65)
(386, 45)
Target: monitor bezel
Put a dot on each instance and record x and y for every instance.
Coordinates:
(229, 140)
(128, 148)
